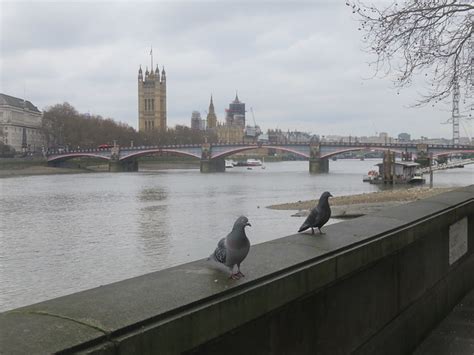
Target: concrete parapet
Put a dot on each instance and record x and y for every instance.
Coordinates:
(373, 285)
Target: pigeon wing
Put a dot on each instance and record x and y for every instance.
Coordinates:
(220, 253)
(323, 217)
(311, 220)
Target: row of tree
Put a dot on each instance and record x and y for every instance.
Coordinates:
(63, 126)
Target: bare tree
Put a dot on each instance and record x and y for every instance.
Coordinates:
(428, 37)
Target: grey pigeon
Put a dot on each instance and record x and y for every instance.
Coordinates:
(319, 215)
(233, 249)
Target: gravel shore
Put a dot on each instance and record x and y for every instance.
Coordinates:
(359, 205)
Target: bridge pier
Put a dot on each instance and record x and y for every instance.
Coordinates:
(213, 166)
(318, 165)
(117, 166)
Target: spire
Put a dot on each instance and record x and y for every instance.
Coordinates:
(211, 116)
(151, 55)
(211, 106)
(157, 73)
(163, 75)
(146, 72)
(236, 100)
(140, 73)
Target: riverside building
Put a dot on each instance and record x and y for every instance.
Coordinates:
(152, 99)
(20, 124)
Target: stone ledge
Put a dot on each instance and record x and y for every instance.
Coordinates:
(185, 305)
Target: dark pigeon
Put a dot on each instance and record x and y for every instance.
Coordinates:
(233, 249)
(319, 215)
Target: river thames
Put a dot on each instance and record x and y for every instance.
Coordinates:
(60, 234)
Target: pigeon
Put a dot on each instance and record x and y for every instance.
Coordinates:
(233, 249)
(319, 215)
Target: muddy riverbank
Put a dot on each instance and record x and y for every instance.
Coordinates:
(362, 204)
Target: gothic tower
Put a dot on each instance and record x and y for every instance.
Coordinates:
(152, 100)
(211, 116)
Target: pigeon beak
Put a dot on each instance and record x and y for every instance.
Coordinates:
(248, 224)
(331, 195)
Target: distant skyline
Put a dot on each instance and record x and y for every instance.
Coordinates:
(299, 65)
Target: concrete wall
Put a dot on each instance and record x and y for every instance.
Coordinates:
(373, 285)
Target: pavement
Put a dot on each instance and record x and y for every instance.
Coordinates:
(455, 334)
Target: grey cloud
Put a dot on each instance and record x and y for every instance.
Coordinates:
(298, 64)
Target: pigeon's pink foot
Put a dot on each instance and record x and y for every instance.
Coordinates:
(234, 276)
(240, 274)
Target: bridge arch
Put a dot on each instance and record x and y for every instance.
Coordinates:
(355, 149)
(68, 156)
(235, 150)
(138, 154)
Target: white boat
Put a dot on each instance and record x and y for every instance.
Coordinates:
(254, 162)
(417, 179)
(229, 164)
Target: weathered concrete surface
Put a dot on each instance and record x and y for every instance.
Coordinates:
(29, 332)
(376, 280)
(455, 334)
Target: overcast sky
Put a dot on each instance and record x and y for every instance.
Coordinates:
(299, 65)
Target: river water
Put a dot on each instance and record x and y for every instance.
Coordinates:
(60, 234)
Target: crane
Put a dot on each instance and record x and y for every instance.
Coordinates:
(253, 117)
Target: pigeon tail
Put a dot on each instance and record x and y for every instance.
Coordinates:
(303, 227)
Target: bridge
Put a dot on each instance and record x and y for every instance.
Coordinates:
(449, 165)
(212, 155)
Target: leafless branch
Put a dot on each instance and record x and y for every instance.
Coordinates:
(430, 37)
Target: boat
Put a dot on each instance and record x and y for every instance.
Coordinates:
(229, 164)
(401, 172)
(417, 179)
(371, 175)
(249, 162)
(254, 162)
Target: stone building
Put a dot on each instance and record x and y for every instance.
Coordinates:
(197, 123)
(404, 137)
(211, 116)
(236, 113)
(20, 124)
(229, 134)
(152, 100)
(232, 131)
